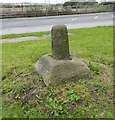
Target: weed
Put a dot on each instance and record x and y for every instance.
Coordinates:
(54, 106)
(94, 68)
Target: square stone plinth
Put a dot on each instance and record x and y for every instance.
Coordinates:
(53, 70)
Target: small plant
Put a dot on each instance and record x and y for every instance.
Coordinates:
(94, 68)
(38, 77)
(100, 88)
(73, 95)
(34, 113)
(54, 106)
(8, 85)
(19, 90)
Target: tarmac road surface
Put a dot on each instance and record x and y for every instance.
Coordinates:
(39, 24)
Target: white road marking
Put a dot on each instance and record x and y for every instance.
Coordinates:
(96, 17)
(112, 16)
(74, 19)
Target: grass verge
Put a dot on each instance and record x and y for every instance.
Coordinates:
(26, 96)
(9, 36)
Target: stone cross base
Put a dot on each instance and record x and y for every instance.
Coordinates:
(53, 70)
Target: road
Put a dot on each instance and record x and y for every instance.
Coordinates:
(38, 24)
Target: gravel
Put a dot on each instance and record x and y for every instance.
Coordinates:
(18, 39)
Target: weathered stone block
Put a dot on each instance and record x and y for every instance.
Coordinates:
(53, 70)
(60, 44)
(59, 65)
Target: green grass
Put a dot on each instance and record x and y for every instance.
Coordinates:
(39, 34)
(26, 96)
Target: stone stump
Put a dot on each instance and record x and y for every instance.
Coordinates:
(60, 66)
(60, 45)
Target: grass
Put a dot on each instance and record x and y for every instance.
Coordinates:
(26, 96)
(39, 34)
